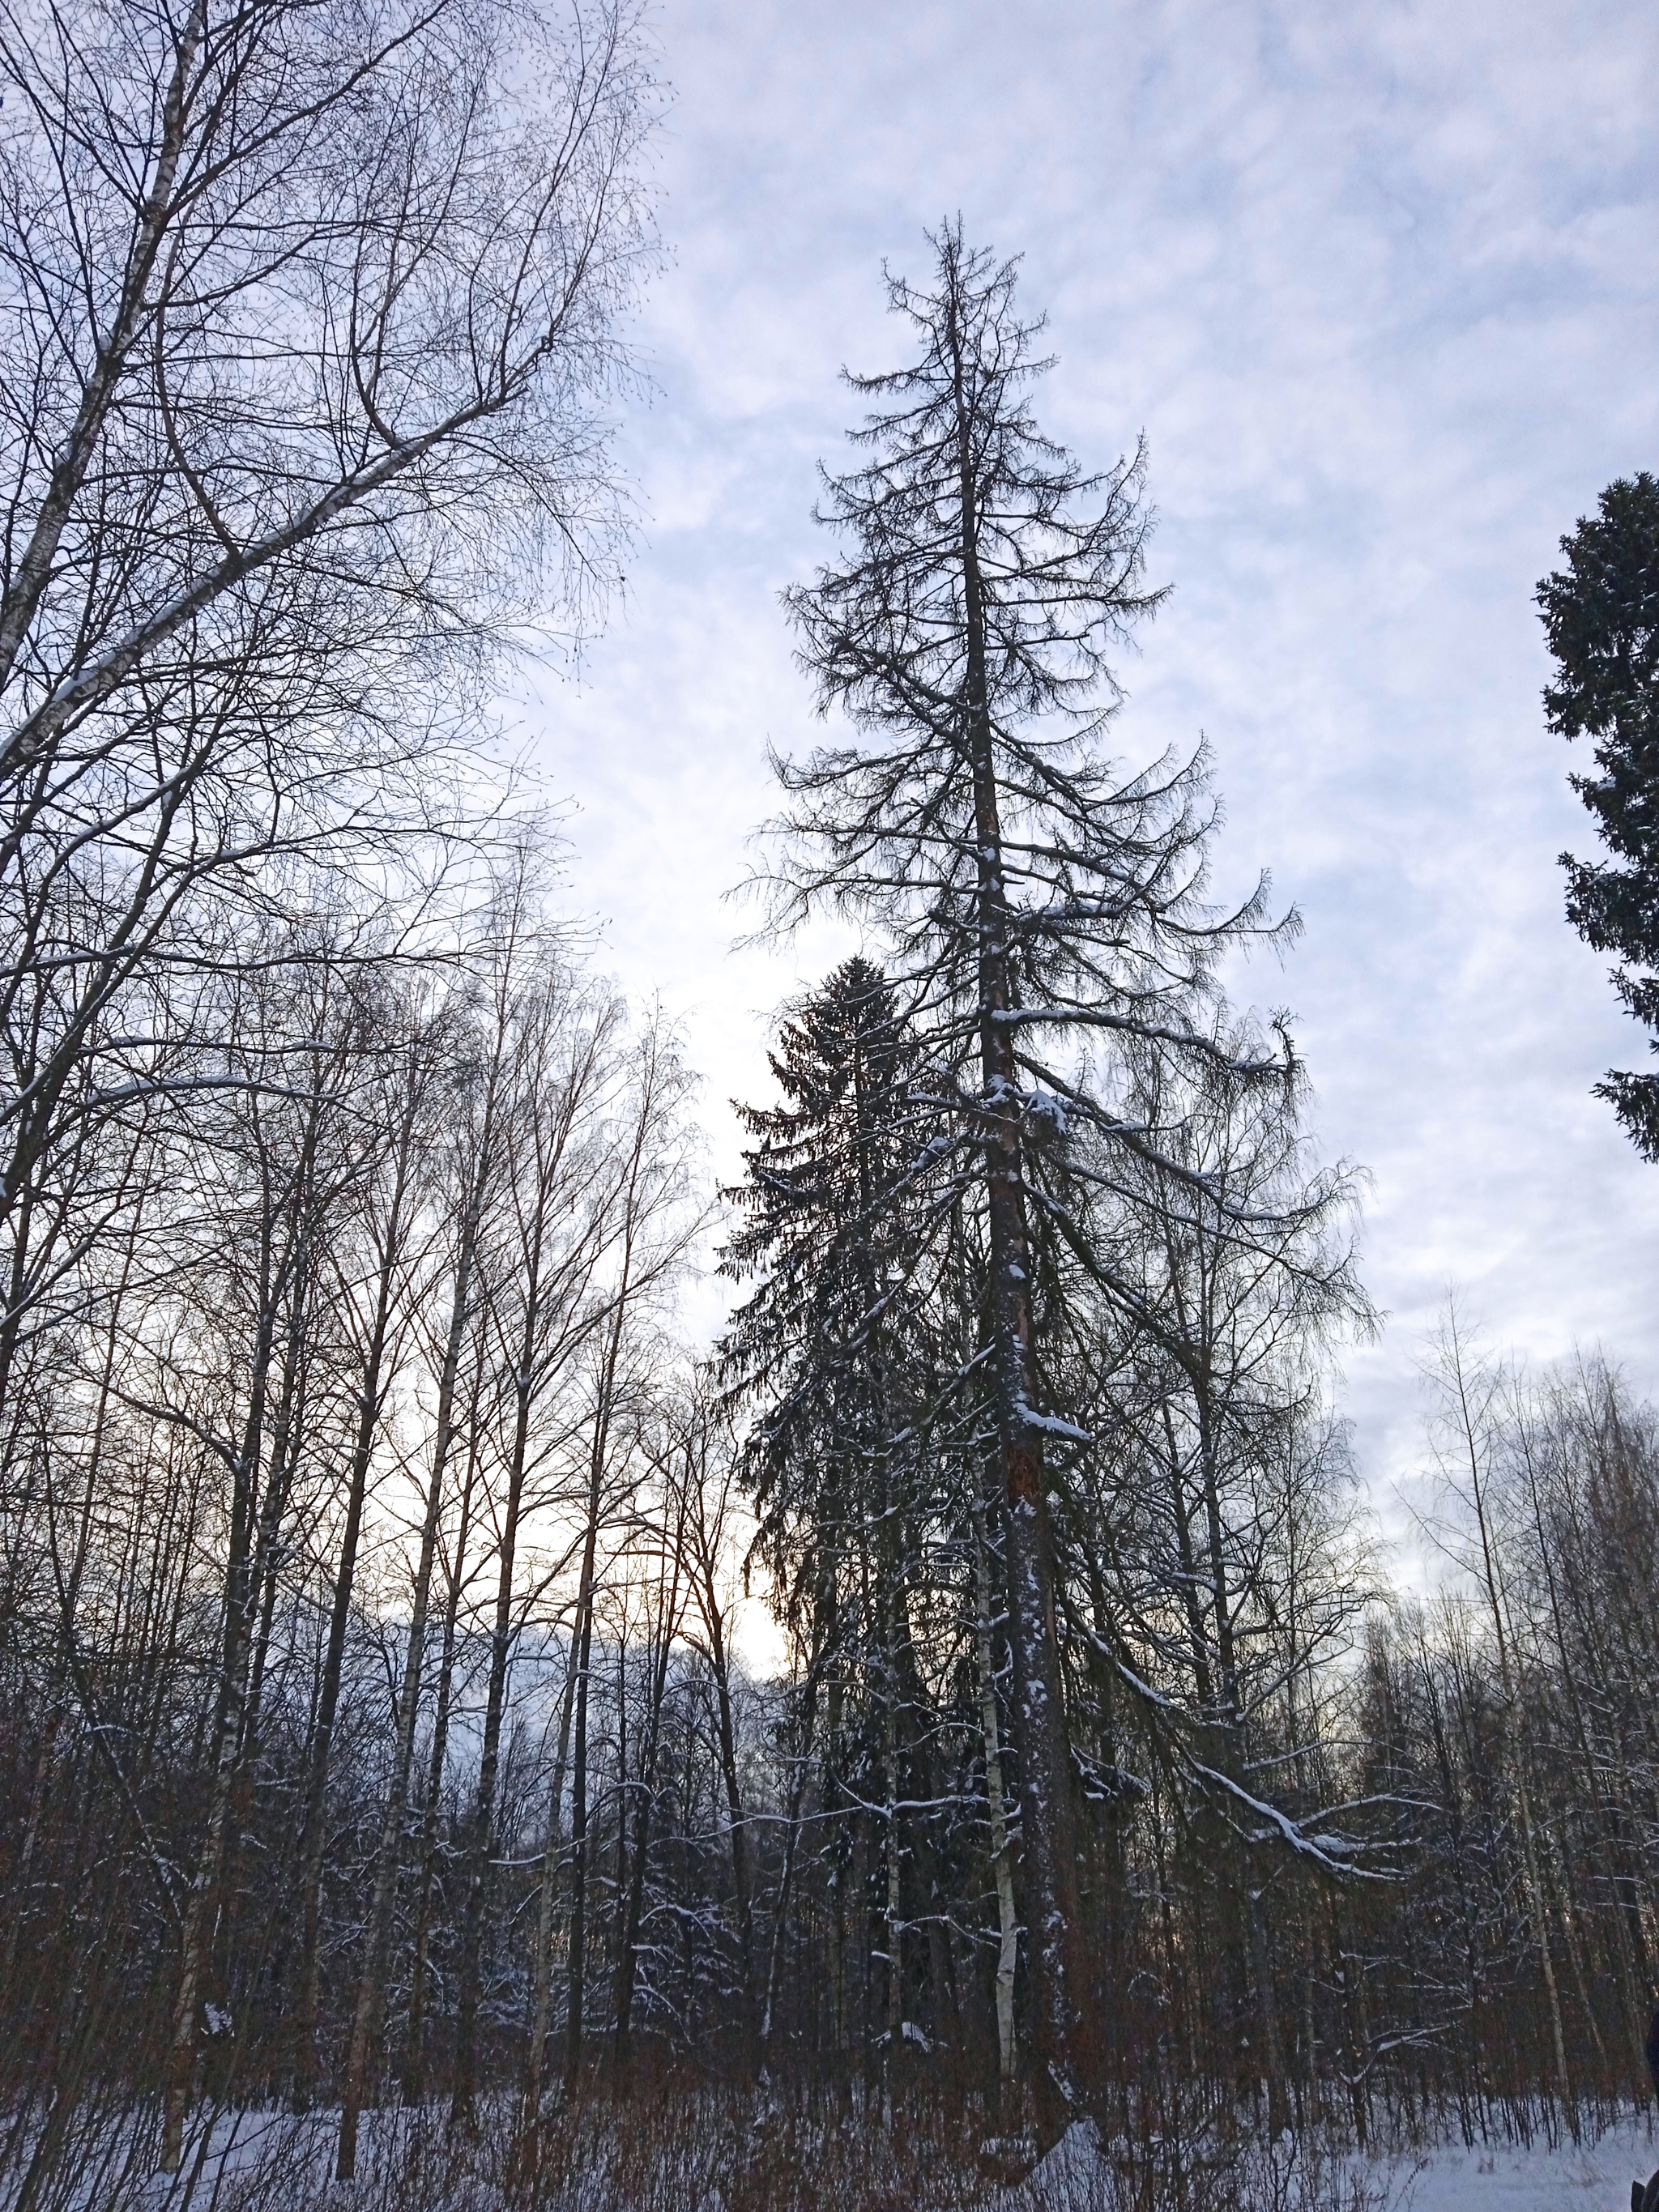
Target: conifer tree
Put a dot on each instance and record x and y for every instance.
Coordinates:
(833, 1351)
(1601, 616)
(1029, 894)
(824, 1231)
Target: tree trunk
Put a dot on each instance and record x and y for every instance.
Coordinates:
(736, 1824)
(536, 2058)
(197, 1936)
(893, 1918)
(1001, 1866)
(389, 1858)
(432, 1805)
(790, 1848)
(1047, 1828)
(577, 1963)
(603, 1410)
(628, 1957)
(313, 1827)
(481, 1841)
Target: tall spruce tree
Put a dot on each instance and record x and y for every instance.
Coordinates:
(842, 1233)
(832, 1354)
(1601, 616)
(1031, 897)
(823, 1233)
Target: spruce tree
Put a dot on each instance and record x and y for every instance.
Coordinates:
(834, 1188)
(1601, 616)
(831, 1352)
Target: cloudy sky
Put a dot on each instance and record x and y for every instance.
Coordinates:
(1377, 282)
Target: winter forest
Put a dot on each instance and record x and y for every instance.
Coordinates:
(394, 1808)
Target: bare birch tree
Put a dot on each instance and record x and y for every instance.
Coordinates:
(312, 331)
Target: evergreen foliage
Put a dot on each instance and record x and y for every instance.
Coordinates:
(1600, 617)
(835, 1207)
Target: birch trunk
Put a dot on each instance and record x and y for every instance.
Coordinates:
(1001, 1866)
(314, 1829)
(547, 1907)
(240, 1589)
(432, 1806)
(628, 1957)
(389, 1858)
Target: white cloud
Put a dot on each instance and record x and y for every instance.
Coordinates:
(1378, 283)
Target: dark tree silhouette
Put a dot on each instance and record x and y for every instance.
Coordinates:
(1600, 617)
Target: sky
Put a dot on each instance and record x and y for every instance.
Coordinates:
(1377, 283)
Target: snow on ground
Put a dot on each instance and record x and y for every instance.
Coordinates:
(1504, 2178)
(291, 2160)
(1496, 2176)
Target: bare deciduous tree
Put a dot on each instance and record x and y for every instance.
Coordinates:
(312, 314)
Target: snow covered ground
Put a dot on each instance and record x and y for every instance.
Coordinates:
(1490, 2178)
(269, 2162)
(1505, 2178)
